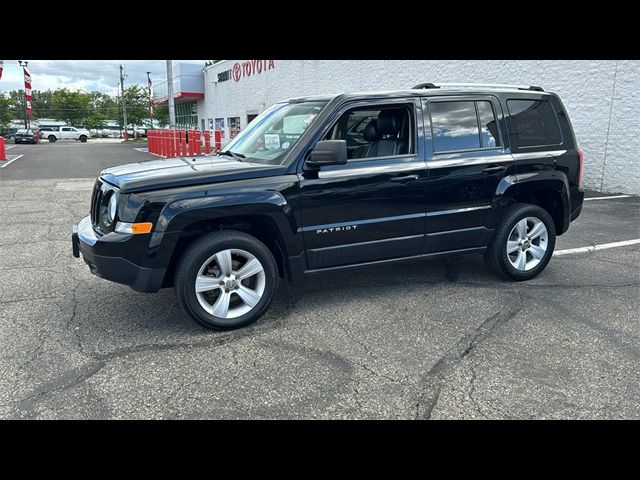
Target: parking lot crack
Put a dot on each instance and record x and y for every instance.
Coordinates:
(65, 382)
(472, 389)
(364, 346)
(356, 396)
(434, 379)
(72, 319)
(30, 299)
(584, 285)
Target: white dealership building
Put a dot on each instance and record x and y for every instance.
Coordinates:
(602, 97)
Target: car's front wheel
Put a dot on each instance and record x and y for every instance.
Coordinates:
(83, 138)
(523, 243)
(226, 279)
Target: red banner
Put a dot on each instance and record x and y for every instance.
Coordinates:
(1, 67)
(27, 89)
(150, 93)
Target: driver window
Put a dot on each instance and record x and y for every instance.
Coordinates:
(379, 131)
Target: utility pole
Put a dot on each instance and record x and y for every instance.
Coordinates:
(124, 106)
(172, 106)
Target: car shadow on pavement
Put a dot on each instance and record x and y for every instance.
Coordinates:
(108, 316)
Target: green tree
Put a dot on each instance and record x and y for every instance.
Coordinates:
(16, 106)
(95, 119)
(137, 99)
(42, 103)
(6, 115)
(161, 114)
(71, 106)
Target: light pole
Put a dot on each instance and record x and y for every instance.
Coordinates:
(23, 99)
(172, 106)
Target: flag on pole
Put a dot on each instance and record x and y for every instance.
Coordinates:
(1, 67)
(150, 94)
(27, 89)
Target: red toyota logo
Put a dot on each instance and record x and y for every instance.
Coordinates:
(236, 72)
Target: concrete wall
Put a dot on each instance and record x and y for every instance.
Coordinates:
(602, 97)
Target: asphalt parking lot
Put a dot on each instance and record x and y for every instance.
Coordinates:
(439, 339)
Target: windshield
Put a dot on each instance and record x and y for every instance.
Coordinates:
(276, 130)
(23, 131)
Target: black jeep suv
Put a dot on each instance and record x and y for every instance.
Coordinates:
(321, 183)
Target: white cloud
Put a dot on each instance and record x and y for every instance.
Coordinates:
(88, 75)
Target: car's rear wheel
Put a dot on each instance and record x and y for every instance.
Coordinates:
(523, 243)
(83, 138)
(52, 138)
(226, 279)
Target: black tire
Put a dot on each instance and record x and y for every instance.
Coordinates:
(496, 253)
(83, 138)
(52, 138)
(198, 253)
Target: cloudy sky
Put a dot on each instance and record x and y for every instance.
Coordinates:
(89, 75)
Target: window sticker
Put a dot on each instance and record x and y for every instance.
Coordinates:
(286, 145)
(272, 141)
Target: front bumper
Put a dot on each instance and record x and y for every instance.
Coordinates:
(115, 268)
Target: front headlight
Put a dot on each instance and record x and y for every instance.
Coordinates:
(113, 207)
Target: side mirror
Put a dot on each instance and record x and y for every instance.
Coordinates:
(328, 152)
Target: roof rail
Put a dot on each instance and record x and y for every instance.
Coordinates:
(424, 85)
(478, 85)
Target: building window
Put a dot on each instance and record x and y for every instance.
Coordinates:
(187, 115)
(220, 126)
(234, 126)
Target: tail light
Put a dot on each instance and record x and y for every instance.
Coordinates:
(580, 168)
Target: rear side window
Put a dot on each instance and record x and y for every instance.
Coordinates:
(455, 126)
(463, 125)
(488, 125)
(533, 123)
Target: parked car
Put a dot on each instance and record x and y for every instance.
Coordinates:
(8, 133)
(44, 130)
(25, 135)
(63, 133)
(437, 171)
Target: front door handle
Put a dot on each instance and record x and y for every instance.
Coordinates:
(496, 169)
(405, 178)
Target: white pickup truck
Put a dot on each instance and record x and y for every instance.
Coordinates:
(63, 133)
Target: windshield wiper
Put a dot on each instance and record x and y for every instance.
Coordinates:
(235, 156)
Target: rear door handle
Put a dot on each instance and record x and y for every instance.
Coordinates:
(496, 169)
(405, 178)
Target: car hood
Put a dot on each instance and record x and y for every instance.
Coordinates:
(177, 172)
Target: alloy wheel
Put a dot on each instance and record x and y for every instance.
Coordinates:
(230, 283)
(527, 243)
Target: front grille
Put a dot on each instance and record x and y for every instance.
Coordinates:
(96, 199)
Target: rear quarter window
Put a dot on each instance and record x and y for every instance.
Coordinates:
(533, 123)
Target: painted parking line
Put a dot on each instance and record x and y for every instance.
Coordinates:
(606, 198)
(10, 147)
(9, 162)
(593, 248)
